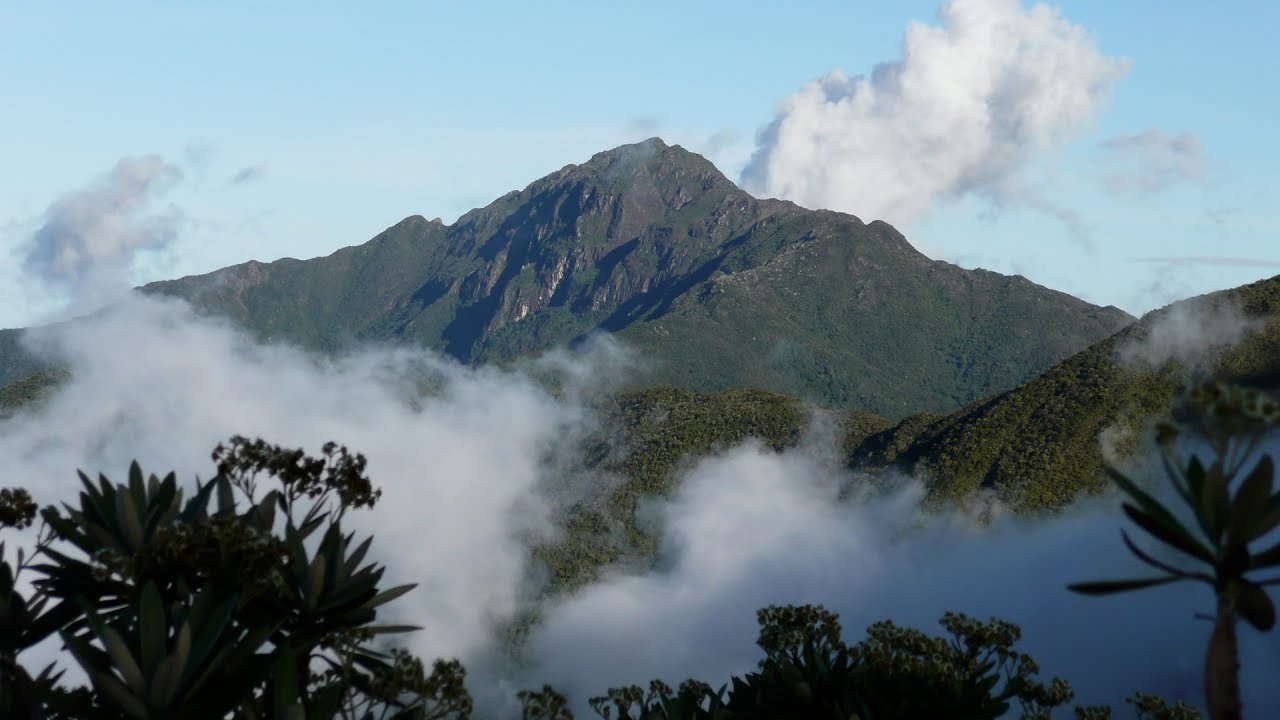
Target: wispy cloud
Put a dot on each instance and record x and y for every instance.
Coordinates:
(88, 238)
(972, 103)
(1189, 332)
(1154, 160)
(246, 175)
(643, 127)
(719, 141)
(1210, 260)
(1219, 215)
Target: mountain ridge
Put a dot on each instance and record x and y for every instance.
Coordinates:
(650, 242)
(1041, 444)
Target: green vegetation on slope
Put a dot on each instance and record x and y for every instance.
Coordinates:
(848, 315)
(647, 438)
(30, 390)
(1038, 445)
(16, 362)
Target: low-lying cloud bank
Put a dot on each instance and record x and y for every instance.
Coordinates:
(472, 471)
(752, 528)
(1191, 332)
(460, 470)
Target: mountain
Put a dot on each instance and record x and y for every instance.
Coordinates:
(716, 289)
(1039, 445)
(15, 362)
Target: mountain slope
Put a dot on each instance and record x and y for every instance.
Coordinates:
(593, 242)
(16, 363)
(715, 288)
(1038, 445)
(850, 315)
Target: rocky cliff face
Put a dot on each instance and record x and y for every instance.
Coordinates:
(592, 238)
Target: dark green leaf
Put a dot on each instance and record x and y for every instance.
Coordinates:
(163, 504)
(1217, 500)
(312, 525)
(286, 680)
(1266, 558)
(164, 684)
(1173, 535)
(391, 629)
(198, 502)
(137, 488)
(226, 498)
(116, 690)
(207, 634)
(1249, 510)
(122, 658)
(1271, 516)
(326, 701)
(1109, 587)
(1255, 606)
(1152, 507)
(153, 628)
(387, 596)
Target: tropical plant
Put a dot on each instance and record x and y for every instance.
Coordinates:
(220, 605)
(895, 673)
(543, 704)
(250, 602)
(974, 672)
(695, 700)
(1150, 707)
(23, 624)
(807, 671)
(1232, 510)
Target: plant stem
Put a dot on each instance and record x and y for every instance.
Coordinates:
(1222, 662)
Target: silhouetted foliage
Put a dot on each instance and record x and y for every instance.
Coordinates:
(1232, 509)
(215, 605)
(894, 673)
(247, 600)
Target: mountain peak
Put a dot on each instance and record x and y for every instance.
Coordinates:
(634, 153)
(649, 178)
(649, 163)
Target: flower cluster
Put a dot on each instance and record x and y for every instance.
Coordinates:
(1216, 409)
(17, 509)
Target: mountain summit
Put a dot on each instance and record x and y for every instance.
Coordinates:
(716, 288)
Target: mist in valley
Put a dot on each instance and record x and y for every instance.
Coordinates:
(475, 463)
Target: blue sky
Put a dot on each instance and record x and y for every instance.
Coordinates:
(293, 129)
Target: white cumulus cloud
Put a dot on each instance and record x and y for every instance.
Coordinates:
(970, 105)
